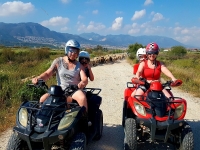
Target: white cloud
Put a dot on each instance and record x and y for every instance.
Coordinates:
(185, 31)
(119, 12)
(152, 13)
(117, 23)
(95, 26)
(95, 11)
(148, 2)
(81, 27)
(92, 26)
(156, 30)
(157, 17)
(177, 30)
(138, 14)
(55, 21)
(183, 39)
(80, 17)
(65, 1)
(15, 8)
(135, 29)
(186, 35)
(64, 29)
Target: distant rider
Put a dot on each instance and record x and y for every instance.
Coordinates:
(84, 59)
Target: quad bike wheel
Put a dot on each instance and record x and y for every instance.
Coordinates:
(187, 138)
(130, 139)
(124, 112)
(79, 142)
(15, 143)
(99, 125)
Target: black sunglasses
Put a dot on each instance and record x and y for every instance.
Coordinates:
(84, 63)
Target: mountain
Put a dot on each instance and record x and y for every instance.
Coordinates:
(124, 40)
(33, 33)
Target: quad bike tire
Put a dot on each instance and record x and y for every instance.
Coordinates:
(15, 143)
(124, 112)
(79, 142)
(187, 138)
(130, 139)
(99, 125)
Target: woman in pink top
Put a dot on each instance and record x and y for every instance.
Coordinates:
(151, 69)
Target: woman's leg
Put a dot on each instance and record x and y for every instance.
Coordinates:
(139, 91)
(44, 97)
(166, 93)
(80, 97)
(133, 93)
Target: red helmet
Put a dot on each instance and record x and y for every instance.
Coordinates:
(152, 48)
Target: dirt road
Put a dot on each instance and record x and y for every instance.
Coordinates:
(112, 78)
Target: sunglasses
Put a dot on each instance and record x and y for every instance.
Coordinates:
(142, 56)
(84, 61)
(73, 51)
(152, 54)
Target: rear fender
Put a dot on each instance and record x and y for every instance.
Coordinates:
(94, 102)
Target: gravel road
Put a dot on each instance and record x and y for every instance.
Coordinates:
(112, 78)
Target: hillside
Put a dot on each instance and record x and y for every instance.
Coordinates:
(29, 33)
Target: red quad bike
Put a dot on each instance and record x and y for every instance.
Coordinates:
(154, 117)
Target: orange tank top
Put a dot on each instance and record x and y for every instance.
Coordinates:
(151, 74)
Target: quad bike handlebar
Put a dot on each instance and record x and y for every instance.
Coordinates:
(169, 83)
(40, 84)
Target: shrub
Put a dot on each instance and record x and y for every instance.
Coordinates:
(177, 52)
(7, 55)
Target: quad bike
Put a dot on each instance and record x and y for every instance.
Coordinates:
(154, 117)
(56, 124)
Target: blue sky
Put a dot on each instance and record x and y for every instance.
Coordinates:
(177, 19)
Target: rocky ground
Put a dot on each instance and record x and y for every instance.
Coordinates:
(112, 79)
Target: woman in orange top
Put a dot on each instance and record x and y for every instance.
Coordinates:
(151, 69)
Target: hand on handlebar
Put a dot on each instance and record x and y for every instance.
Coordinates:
(35, 80)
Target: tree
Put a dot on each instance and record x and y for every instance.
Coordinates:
(177, 52)
(132, 49)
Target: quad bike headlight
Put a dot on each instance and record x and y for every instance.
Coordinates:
(140, 108)
(67, 120)
(178, 111)
(23, 117)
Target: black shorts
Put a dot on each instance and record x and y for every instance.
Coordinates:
(144, 88)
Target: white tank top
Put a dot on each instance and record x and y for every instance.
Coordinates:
(64, 76)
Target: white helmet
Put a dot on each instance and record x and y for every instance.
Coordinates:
(71, 43)
(84, 54)
(140, 51)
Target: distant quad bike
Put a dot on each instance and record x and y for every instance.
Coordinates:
(55, 124)
(154, 117)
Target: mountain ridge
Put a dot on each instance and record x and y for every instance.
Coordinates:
(30, 33)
